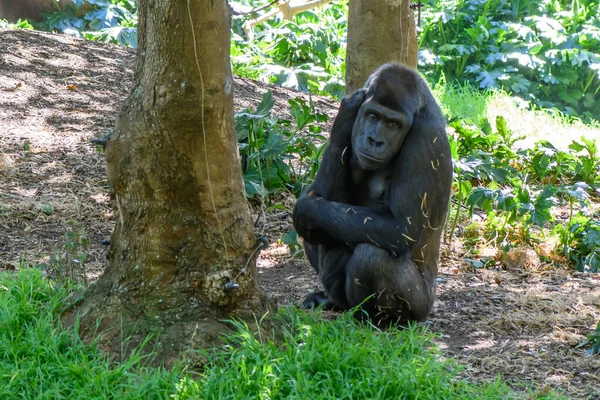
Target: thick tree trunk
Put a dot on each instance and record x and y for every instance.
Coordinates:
(170, 255)
(378, 32)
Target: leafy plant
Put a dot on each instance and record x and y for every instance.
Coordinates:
(304, 54)
(290, 239)
(580, 241)
(68, 265)
(593, 341)
(515, 191)
(277, 154)
(112, 21)
(20, 24)
(481, 157)
(548, 52)
(588, 165)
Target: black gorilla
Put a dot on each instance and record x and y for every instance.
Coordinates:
(373, 218)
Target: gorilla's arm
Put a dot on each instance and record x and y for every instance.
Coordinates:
(334, 180)
(320, 219)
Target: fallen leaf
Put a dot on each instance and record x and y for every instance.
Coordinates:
(72, 87)
(17, 86)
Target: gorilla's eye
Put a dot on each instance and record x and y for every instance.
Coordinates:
(372, 116)
(394, 124)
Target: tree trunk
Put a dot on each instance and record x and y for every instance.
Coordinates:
(171, 255)
(378, 32)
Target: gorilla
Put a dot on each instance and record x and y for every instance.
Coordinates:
(372, 220)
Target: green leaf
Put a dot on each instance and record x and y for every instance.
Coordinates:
(577, 191)
(576, 146)
(290, 239)
(265, 106)
(253, 188)
(482, 197)
(501, 126)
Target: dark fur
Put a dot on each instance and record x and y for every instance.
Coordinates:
(385, 247)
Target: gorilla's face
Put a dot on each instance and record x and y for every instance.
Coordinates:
(378, 134)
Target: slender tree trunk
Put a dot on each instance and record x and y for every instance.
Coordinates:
(379, 31)
(171, 255)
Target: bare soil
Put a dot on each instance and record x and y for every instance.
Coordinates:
(521, 320)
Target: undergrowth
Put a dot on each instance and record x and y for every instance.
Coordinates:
(275, 156)
(310, 359)
(520, 194)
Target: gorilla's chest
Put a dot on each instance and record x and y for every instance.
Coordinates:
(372, 187)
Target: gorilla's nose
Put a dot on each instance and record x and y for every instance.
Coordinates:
(375, 142)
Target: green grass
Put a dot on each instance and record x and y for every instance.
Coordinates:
(336, 360)
(475, 106)
(39, 360)
(462, 101)
(313, 359)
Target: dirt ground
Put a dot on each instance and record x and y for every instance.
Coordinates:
(521, 323)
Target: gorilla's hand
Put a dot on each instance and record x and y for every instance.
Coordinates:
(305, 220)
(352, 102)
(344, 122)
(303, 217)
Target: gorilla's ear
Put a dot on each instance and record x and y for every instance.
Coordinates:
(423, 95)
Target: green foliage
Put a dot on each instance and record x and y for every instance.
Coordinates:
(290, 239)
(47, 209)
(593, 342)
(580, 241)
(68, 264)
(305, 54)
(113, 21)
(518, 189)
(587, 165)
(547, 52)
(20, 24)
(278, 154)
(311, 359)
(41, 360)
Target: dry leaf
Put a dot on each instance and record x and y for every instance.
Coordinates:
(17, 86)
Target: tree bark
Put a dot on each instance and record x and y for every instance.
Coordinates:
(378, 32)
(170, 255)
